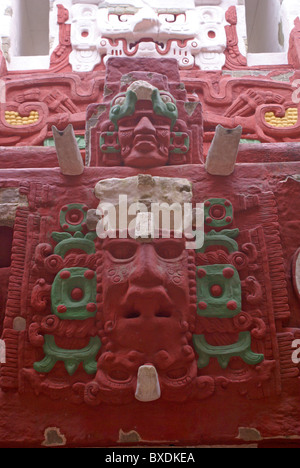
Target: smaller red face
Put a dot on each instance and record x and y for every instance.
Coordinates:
(144, 138)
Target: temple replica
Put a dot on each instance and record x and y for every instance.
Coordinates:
(119, 337)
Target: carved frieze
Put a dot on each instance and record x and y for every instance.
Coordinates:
(102, 309)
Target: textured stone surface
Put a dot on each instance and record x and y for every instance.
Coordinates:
(145, 188)
(205, 337)
(222, 154)
(10, 200)
(68, 154)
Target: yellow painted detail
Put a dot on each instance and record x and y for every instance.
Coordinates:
(289, 120)
(14, 118)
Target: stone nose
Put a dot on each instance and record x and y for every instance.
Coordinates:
(145, 126)
(146, 20)
(146, 272)
(148, 387)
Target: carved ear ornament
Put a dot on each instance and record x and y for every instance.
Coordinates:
(180, 143)
(109, 142)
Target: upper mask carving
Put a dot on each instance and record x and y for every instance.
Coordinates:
(193, 35)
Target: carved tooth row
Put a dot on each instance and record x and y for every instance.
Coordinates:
(14, 118)
(290, 119)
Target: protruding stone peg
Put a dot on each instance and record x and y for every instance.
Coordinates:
(68, 153)
(296, 273)
(222, 154)
(148, 388)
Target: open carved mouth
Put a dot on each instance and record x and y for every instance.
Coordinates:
(133, 45)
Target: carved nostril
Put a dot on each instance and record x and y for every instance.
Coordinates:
(132, 314)
(163, 313)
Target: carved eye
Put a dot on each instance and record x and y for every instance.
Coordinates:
(114, 18)
(122, 250)
(172, 18)
(169, 250)
(124, 18)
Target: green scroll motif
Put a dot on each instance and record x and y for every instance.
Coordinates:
(223, 238)
(127, 108)
(219, 289)
(71, 357)
(241, 348)
(68, 242)
(73, 293)
(165, 109)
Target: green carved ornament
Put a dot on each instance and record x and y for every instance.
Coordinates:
(68, 242)
(242, 349)
(127, 108)
(71, 357)
(219, 292)
(73, 294)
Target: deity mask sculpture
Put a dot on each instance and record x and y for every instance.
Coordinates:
(146, 302)
(144, 141)
(146, 308)
(141, 127)
(193, 35)
(144, 119)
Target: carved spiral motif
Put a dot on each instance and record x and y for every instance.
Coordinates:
(50, 323)
(54, 263)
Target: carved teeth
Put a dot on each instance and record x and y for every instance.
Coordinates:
(134, 44)
(148, 388)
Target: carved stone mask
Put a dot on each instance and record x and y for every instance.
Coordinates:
(146, 305)
(144, 138)
(143, 120)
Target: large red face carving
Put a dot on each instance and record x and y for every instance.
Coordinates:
(144, 137)
(146, 306)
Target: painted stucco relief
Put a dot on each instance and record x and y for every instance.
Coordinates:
(149, 230)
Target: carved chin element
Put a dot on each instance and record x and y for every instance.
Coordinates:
(145, 155)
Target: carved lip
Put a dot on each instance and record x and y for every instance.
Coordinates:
(141, 137)
(145, 142)
(145, 146)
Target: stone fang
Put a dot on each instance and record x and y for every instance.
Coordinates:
(148, 388)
